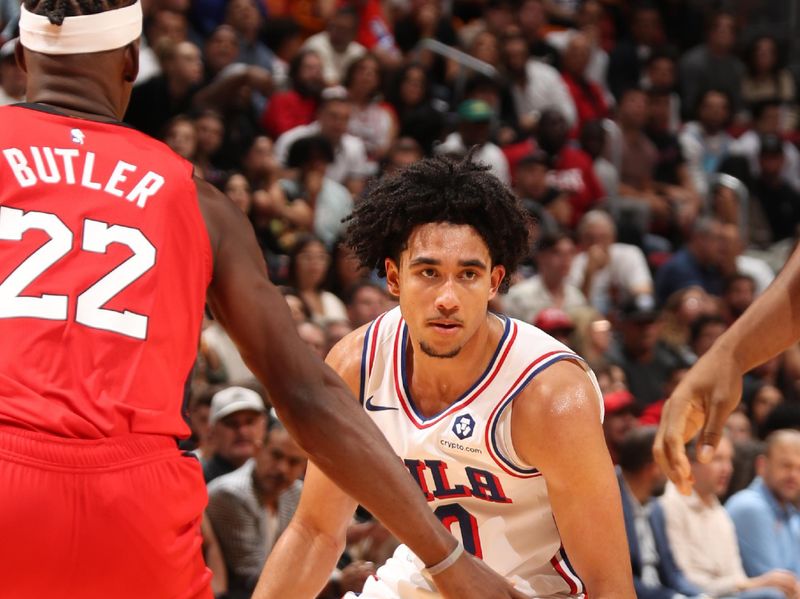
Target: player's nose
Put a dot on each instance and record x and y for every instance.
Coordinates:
(447, 301)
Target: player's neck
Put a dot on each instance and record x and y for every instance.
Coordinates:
(438, 382)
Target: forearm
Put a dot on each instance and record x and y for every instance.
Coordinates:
(770, 325)
(299, 565)
(336, 431)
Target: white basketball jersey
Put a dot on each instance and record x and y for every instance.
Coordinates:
(463, 459)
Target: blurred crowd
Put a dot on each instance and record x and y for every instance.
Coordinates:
(654, 145)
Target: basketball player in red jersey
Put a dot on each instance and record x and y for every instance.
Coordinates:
(109, 249)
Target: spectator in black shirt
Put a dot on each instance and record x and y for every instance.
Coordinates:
(628, 59)
(777, 198)
(533, 22)
(156, 101)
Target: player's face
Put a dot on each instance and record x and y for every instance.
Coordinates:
(444, 279)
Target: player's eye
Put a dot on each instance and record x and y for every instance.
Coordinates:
(428, 273)
(470, 275)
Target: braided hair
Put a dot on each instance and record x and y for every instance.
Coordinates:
(436, 190)
(57, 10)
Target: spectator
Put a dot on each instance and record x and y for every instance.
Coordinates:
(765, 514)
(238, 423)
(587, 95)
(704, 331)
(532, 19)
(297, 307)
(251, 507)
(733, 260)
(535, 86)
(589, 24)
(775, 196)
(740, 430)
(246, 19)
(647, 362)
(199, 410)
(737, 295)
(283, 36)
(768, 79)
(165, 26)
(474, 129)
(607, 272)
(365, 301)
(713, 65)
(350, 164)
(419, 116)
(371, 119)
(705, 142)
(639, 158)
(238, 191)
(703, 540)
(221, 50)
(210, 129)
(655, 576)
(308, 265)
(298, 105)
(403, 152)
(571, 169)
(695, 264)
(681, 309)
(661, 78)
(181, 137)
(329, 202)
(165, 96)
(766, 121)
(671, 176)
(593, 142)
(619, 419)
(375, 33)
(550, 206)
(548, 288)
(336, 46)
(627, 60)
(12, 78)
(762, 401)
(426, 19)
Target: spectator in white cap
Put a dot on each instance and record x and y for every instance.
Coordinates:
(238, 423)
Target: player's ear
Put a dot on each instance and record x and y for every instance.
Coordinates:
(19, 54)
(392, 276)
(495, 278)
(131, 68)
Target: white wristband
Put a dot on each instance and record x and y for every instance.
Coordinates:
(437, 569)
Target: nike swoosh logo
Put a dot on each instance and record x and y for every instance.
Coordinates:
(373, 408)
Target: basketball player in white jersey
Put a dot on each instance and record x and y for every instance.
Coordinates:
(498, 423)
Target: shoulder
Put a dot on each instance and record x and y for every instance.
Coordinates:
(559, 400)
(745, 502)
(231, 485)
(346, 356)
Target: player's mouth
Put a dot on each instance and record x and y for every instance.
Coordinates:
(445, 327)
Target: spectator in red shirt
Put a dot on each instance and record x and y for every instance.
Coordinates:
(571, 168)
(297, 106)
(588, 96)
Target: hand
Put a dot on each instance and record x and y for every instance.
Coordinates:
(260, 80)
(470, 578)
(702, 401)
(780, 579)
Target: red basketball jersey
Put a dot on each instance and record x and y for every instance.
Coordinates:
(104, 264)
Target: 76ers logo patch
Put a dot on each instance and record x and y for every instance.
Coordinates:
(463, 426)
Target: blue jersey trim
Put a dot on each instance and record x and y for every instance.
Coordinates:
(363, 383)
(509, 399)
(486, 373)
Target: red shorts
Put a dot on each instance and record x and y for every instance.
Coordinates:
(97, 519)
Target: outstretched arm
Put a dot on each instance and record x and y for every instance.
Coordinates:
(556, 427)
(713, 386)
(317, 407)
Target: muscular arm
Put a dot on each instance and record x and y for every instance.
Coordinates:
(307, 551)
(313, 403)
(556, 427)
(713, 386)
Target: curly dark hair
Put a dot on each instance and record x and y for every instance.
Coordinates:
(437, 190)
(57, 10)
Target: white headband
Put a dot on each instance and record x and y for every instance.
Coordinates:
(82, 34)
